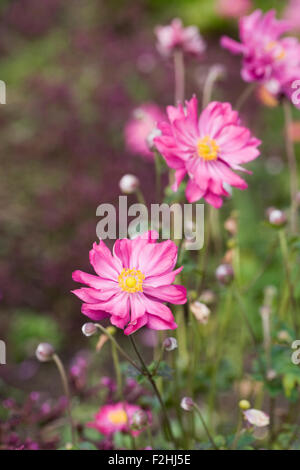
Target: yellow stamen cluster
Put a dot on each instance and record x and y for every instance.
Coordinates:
(117, 417)
(207, 148)
(131, 280)
(279, 50)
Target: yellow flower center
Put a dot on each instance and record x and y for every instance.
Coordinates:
(207, 148)
(117, 417)
(131, 280)
(279, 52)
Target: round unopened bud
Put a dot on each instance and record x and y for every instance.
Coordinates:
(284, 336)
(200, 311)
(129, 184)
(150, 139)
(271, 374)
(225, 273)
(44, 352)
(244, 405)
(187, 404)
(170, 344)
(89, 329)
(277, 217)
(207, 297)
(111, 330)
(139, 420)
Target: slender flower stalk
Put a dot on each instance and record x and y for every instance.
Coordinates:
(292, 163)
(65, 384)
(148, 374)
(214, 445)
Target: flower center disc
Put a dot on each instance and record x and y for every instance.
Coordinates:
(131, 280)
(207, 149)
(277, 50)
(117, 417)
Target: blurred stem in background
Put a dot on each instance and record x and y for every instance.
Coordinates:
(244, 96)
(65, 384)
(292, 163)
(179, 76)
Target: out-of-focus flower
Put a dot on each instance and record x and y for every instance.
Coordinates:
(225, 273)
(117, 417)
(207, 148)
(89, 329)
(256, 418)
(292, 14)
(132, 284)
(170, 344)
(143, 121)
(233, 9)
(44, 352)
(139, 420)
(78, 372)
(244, 405)
(129, 184)
(267, 58)
(175, 36)
(187, 404)
(200, 311)
(266, 97)
(276, 217)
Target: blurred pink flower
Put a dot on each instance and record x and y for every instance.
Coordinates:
(132, 284)
(143, 121)
(267, 58)
(175, 36)
(233, 9)
(292, 14)
(116, 417)
(206, 148)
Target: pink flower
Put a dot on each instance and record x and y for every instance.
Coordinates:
(175, 36)
(116, 417)
(292, 14)
(132, 284)
(267, 58)
(207, 148)
(233, 9)
(143, 122)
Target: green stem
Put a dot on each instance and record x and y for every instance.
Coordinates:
(292, 163)
(214, 445)
(156, 391)
(65, 384)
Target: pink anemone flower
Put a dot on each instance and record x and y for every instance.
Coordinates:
(267, 58)
(175, 36)
(207, 148)
(116, 417)
(132, 285)
(138, 129)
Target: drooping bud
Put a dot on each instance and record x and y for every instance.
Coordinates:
(200, 311)
(129, 184)
(244, 405)
(139, 420)
(225, 273)
(277, 217)
(257, 418)
(187, 403)
(170, 344)
(151, 138)
(89, 329)
(44, 352)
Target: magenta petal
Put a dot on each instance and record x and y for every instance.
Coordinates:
(174, 294)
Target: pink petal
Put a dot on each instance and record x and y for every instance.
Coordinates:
(174, 294)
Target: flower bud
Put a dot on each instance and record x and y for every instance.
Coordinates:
(277, 217)
(244, 405)
(256, 418)
(170, 344)
(225, 273)
(187, 404)
(111, 330)
(207, 297)
(129, 184)
(139, 420)
(89, 329)
(151, 137)
(44, 352)
(200, 311)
